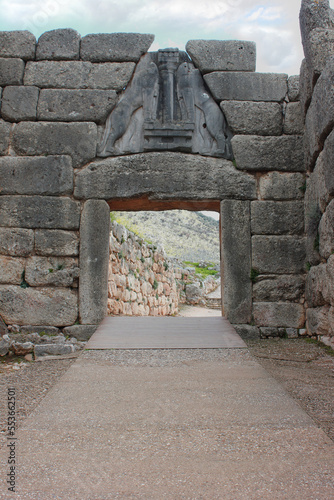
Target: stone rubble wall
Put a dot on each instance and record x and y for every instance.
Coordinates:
(141, 278)
(54, 218)
(317, 97)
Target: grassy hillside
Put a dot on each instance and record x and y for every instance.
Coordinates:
(189, 236)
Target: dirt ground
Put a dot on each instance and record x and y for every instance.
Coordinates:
(304, 368)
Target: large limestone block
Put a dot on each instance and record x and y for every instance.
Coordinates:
(20, 44)
(94, 262)
(240, 86)
(16, 242)
(315, 14)
(80, 332)
(293, 88)
(330, 280)
(317, 321)
(51, 271)
(116, 47)
(5, 129)
(278, 288)
(75, 139)
(11, 71)
(38, 306)
(326, 232)
(236, 261)
(56, 242)
(47, 175)
(320, 47)
(269, 153)
(294, 119)
(281, 186)
(253, 118)
(305, 86)
(317, 192)
(61, 44)
(278, 254)
(19, 103)
(279, 314)
(39, 212)
(277, 217)
(166, 175)
(319, 117)
(11, 270)
(78, 75)
(222, 55)
(76, 105)
(317, 291)
(327, 155)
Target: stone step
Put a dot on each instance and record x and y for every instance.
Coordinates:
(214, 303)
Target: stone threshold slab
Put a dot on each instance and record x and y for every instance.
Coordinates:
(165, 333)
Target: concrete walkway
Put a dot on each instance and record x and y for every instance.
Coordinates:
(170, 424)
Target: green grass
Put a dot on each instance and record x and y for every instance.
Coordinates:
(325, 347)
(204, 272)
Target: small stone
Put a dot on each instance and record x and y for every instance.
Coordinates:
(21, 349)
(292, 333)
(29, 357)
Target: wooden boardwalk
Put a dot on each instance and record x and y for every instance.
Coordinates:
(128, 332)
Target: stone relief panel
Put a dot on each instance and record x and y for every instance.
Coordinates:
(166, 107)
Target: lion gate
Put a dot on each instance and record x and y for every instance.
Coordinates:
(97, 122)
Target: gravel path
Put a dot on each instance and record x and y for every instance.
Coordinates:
(304, 369)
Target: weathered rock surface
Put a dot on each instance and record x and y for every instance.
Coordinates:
(80, 332)
(278, 314)
(247, 332)
(269, 153)
(305, 86)
(317, 320)
(77, 75)
(39, 212)
(169, 175)
(94, 260)
(320, 47)
(317, 287)
(4, 137)
(46, 175)
(22, 348)
(278, 254)
(19, 103)
(253, 118)
(11, 71)
(76, 105)
(52, 271)
(56, 242)
(326, 232)
(319, 118)
(61, 44)
(278, 288)
(317, 193)
(294, 119)
(53, 349)
(281, 186)
(222, 55)
(5, 344)
(41, 306)
(327, 155)
(277, 217)
(115, 46)
(20, 44)
(75, 139)
(237, 288)
(193, 293)
(11, 270)
(16, 242)
(293, 88)
(247, 86)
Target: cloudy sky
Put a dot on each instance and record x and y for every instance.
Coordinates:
(272, 24)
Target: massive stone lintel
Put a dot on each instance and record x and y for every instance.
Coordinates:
(166, 108)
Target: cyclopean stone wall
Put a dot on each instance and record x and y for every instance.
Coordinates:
(317, 97)
(56, 193)
(141, 279)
